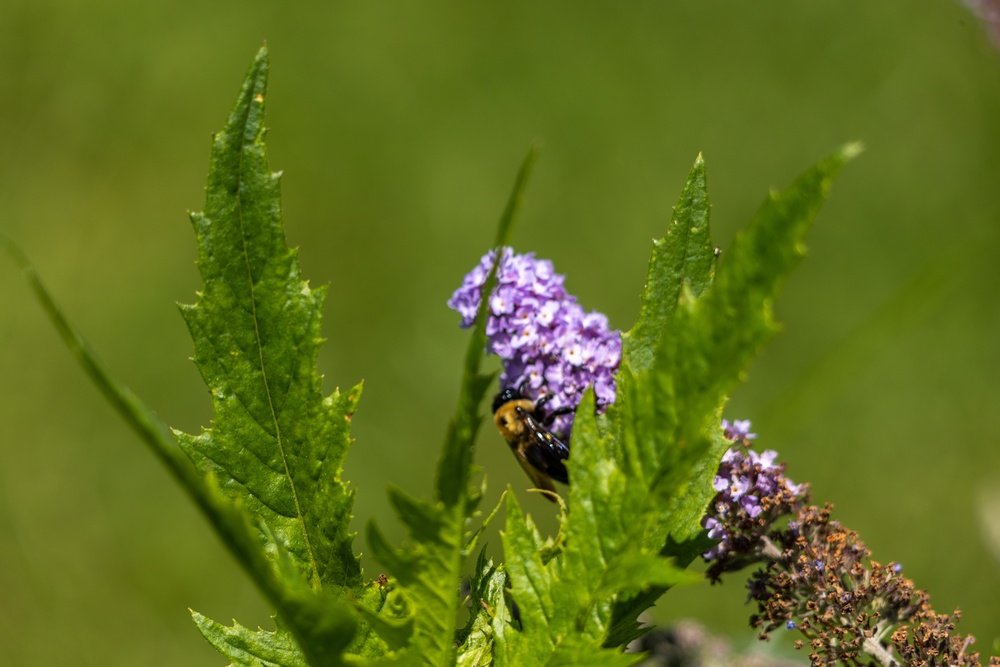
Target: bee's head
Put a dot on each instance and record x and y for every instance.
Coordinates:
(506, 396)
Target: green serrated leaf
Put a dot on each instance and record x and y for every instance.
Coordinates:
(225, 515)
(685, 256)
(247, 648)
(276, 444)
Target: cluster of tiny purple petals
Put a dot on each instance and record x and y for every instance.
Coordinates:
(819, 579)
(751, 493)
(548, 344)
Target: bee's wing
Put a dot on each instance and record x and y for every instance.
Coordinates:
(540, 479)
(546, 452)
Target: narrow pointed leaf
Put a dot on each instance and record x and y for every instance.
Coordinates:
(429, 567)
(454, 468)
(276, 443)
(684, 256)
(136, 414)
(223, 514)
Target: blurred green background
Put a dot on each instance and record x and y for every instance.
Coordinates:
(399, 127)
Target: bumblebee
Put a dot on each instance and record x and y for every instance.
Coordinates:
(525, 428)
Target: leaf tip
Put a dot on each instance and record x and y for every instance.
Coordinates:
(851, 150)
(262, 53)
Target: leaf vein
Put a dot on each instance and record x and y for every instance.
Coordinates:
(260, 354)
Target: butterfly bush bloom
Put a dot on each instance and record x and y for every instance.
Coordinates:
(546, 341)
(819, 579)
(752, 492)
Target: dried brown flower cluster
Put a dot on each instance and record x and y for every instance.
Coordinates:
(819, 579)
(825, 585)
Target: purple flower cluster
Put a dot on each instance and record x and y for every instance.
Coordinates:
(751, 493)
(819, 579)
(548, 344)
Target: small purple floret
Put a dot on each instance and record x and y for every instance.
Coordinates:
(738, 430)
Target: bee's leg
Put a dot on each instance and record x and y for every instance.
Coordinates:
(551, 417)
